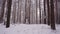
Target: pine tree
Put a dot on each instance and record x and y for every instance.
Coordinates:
(44, 11)
(52, 15)
(40, 10)
(56, 11)
(14, 12)
(9, 3)
(2, 12)
(27, 11)
(49, 14)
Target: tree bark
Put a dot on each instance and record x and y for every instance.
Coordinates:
(9, 3)
(44, 11)
(37, 12)
(27, 11)
(56, 12)
(14, 12)
(40, 10)
(49, 14)
(52, 15)
(2, 12)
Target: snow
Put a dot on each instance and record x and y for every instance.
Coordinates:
(29, 29)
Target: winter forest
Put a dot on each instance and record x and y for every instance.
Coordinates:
(29, 16)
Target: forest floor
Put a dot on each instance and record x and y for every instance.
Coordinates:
(29, 29)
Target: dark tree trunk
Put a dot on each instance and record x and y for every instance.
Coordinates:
(2, 12)
(49, 15)
(52, 15)
(9, 3)
(27, 11)
(44, 11)
(56, 12)
(40, 10)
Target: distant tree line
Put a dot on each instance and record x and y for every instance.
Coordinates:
(28, 12)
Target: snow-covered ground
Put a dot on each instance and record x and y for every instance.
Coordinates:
(29, 29)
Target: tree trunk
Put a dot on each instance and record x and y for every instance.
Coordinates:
(40, 10)
(2, 12)
(44, 11)
(27, 11)
(37, 12)
(52, 15)
(14, 12)
(9, 3)
(56, 12)
(49, 14)
(19, 8)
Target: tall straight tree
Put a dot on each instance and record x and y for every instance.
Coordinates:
(52, 15)
(27, 10)
(56, 12)
(2, 8)
(9, 3)
(37, 12)
(14, 12)
(44, 11)
(49, 14)
(40, 10)
(19, 8)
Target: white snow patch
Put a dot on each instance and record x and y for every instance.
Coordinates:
(29, 29)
